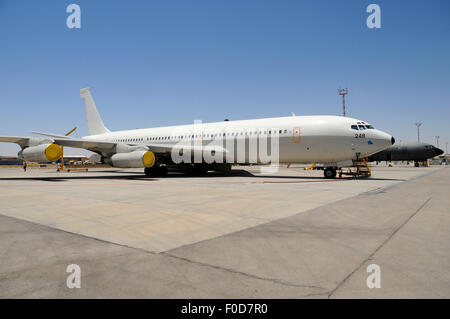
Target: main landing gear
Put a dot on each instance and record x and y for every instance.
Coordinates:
(156, 171)
(329, 172)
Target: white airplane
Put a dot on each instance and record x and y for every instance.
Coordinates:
(327, 140)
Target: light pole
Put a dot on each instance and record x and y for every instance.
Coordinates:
(437, 141)
(446, 144)
(418, 124)
(343, 92)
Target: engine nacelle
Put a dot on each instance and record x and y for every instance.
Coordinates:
(42, 153)
(132, 159)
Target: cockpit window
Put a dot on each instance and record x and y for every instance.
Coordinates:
(361, 127)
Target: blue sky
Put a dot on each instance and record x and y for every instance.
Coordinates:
(157, 63)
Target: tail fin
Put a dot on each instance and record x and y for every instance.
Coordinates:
(95, 123)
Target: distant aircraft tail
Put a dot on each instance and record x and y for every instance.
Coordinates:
(95, 123)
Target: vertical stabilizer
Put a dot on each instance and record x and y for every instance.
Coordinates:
(95, 123)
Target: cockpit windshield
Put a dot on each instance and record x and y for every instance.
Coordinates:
(362, 126)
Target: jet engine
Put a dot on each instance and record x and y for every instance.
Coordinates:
(41, 153)
(132, 159)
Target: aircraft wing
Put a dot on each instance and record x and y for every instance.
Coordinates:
(96, 146)
(21, 140)
(100, 146)
(50, 134)
(168, 148)
(108, 147)
(92, 145)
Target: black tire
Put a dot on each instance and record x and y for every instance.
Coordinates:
(163, 171)
(156, 171)
(416, 164)
(149, 171)
(329, 173)
(199, 170)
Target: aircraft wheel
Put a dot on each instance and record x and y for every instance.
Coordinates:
(163, 171)
(156, 171)
(149, 171)
(199, 169)
(416, 164)
(329, 172)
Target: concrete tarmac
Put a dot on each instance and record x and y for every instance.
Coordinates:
(290, 234)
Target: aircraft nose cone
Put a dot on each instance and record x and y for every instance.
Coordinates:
(392, 140)
(439, 151)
